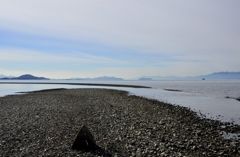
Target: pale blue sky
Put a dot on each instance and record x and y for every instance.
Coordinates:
(79, 38)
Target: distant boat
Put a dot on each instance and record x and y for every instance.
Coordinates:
(203, 78)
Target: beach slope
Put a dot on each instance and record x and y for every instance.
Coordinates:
(45, 123)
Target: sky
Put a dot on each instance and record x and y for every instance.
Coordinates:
(121, 38)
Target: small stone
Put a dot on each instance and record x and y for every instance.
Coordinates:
(221, 153)
(133, 154)
(194, 147)
(138, 153)
(163, 154)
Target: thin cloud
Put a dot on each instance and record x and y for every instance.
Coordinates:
(137, 34)
(168, 25)
(97, 58)
(16, 55)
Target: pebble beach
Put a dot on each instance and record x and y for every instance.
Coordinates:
(45, 123)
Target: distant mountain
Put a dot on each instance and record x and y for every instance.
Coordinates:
(103, 78)
(25, 77)
(30, 77)
(213, 76)
(145, 79)
(107, 78)
(162, 78)
(2, 76)
(221, 76)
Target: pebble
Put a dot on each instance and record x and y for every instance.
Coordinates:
(45, 123)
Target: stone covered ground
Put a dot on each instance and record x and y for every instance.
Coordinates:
(45, 123)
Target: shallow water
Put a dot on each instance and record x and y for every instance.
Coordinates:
(227, 110)
(208, 97)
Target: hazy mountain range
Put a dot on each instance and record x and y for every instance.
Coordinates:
(24, 77)
(213, 76)
(103, 78)
(31, 77)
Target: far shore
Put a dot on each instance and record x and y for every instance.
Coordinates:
(81, 84)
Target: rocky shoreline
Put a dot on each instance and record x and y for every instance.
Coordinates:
(45, 123)
(78, 84)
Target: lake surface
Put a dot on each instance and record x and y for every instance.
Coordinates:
(208, 97)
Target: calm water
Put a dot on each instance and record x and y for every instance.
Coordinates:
(208, 97)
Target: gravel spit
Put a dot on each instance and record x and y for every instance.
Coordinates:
(45, 123)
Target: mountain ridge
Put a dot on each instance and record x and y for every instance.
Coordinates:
(101, 78)
(213, 76)
(25, 77)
